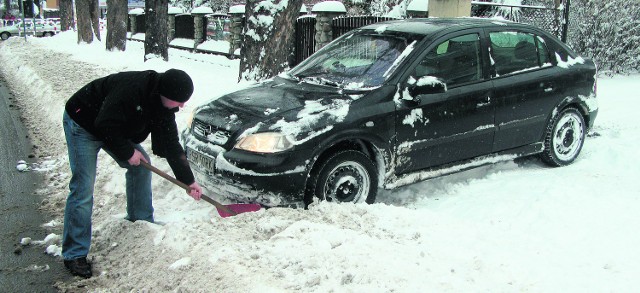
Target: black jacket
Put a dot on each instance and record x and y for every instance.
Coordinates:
(124, 108)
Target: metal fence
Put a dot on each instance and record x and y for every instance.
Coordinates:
(141, 25)
(185, 27)
(305, 42)
(341, 25)
(549, 19)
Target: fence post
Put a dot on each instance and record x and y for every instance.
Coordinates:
(134, 28)
(133, 14)
(449, 8)
(325, 12)
(199, 24)
(171, 22)
(236, 26)
(198, 27)
(566, 21)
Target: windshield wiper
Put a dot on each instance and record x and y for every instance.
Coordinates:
(310, 74)
(321, 81)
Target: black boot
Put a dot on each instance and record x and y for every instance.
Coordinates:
(79, 267)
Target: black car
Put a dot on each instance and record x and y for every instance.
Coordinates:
(394, 103)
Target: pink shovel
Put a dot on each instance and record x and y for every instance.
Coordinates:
(223, 210)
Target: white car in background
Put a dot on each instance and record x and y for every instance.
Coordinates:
(42, 29)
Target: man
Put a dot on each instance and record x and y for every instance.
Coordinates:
(116, 113)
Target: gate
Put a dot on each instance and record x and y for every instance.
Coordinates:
(341, 25)
(305, 41)
(218, 27)
(185, 27)
(141, 26)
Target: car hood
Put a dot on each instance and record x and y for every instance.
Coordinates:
(278, 104)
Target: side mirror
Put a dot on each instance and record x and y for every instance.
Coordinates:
(426, 85)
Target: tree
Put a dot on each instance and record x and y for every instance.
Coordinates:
(66, 15)
(156, 44)
(117, 25)
(88, 24)
(269, 37)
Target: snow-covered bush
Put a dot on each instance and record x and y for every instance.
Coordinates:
(608, 32)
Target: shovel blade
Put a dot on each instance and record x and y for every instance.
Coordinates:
(238, 208)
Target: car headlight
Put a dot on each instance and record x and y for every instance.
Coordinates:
(265, 142)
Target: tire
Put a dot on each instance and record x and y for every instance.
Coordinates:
(346, 176)
(4, 36)
(564, 138)
(48, 34)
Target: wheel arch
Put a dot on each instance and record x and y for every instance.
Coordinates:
(572, 102)
(375, 150)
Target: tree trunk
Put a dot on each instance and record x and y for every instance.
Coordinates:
(557, 18)
(88, 25)
(267, 44)
(156, 44)
(66, 15)
(94, 12)
(7, 6)
(117, 25)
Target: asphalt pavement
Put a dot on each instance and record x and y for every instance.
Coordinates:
(28, 268)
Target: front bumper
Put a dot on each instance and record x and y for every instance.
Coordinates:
(267, 179)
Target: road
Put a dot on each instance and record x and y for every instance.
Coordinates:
(25, 270)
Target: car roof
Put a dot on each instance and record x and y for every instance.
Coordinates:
(432, 25)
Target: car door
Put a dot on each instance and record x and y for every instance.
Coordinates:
(526, 86)
(439, 128)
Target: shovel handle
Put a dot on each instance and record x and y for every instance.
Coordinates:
(185, 187)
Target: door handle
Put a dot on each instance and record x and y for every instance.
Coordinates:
(485, 102)
(547, 86)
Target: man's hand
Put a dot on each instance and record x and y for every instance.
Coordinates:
(195, 191)
(136, 158)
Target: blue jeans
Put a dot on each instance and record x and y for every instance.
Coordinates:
(83, 158)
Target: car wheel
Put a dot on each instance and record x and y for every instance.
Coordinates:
(564, 138)
(346, 176)
(48, 34)
(5, 35)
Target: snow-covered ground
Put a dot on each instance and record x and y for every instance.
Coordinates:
(510, 227)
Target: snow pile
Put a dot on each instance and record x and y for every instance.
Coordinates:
(514, 226)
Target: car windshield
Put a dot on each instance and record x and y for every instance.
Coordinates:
(359, 60)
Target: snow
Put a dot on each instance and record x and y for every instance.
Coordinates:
(202, 10)
(237, 9)
(214, 46)
(136, 11)
(329, 6)
(175, 10)
(570, 61)
(181, 42)
(418, 5)
(512, 226)
(22, 166)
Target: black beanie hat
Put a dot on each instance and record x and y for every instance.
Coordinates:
(175, 85)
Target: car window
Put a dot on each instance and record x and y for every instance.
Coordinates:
(543, 51)
(513, 52)
(453, 61)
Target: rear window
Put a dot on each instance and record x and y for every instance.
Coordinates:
(513, 52)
